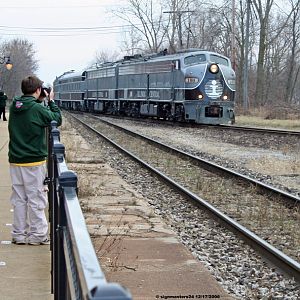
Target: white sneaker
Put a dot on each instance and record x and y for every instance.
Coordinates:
(18, 242)
(35, 243)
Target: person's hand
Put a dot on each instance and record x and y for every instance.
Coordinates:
(50, 96)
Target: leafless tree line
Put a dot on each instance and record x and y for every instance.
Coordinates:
(154, 25)
(274, 36)
(22, 54)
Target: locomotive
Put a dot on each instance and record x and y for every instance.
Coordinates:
(189, 86)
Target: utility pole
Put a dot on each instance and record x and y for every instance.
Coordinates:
(233, 36)
(246, 66)
(179, 14)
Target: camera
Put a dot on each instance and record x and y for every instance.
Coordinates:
(43, 89)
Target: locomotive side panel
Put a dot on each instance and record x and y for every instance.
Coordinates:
(147, 86)
(101, 89)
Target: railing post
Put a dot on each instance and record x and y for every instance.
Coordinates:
(110, 291)
(68, 179)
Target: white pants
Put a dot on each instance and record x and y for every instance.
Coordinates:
(29, 200)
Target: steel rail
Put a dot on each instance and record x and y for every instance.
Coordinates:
(277, 257)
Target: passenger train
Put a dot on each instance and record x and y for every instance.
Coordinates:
(189, 86)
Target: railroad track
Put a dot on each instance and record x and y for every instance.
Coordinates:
(261, 130)
(269, 251)
(272, 131)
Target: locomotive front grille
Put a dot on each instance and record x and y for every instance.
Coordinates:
(214, 89)
(214, 111)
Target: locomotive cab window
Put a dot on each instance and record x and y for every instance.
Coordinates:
(219, 60)
(195, 59)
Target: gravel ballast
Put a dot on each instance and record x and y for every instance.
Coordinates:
(235, 265)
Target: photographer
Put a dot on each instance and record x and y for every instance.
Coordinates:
(3, 99)
(27, 156)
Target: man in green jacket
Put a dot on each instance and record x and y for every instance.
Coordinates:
(3, 99)
(27, 154)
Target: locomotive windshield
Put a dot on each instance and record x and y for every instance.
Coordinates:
(219, 60)
(195, 59)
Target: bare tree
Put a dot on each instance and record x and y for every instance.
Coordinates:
(106, 56)
(264, 13)
(292, 68)
(181, 23)
(132, 43)
(22, 54)
(240, 49)
(273, 44)
(145, 17)
(171, 26)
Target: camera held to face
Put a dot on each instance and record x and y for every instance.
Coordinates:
(43, 89)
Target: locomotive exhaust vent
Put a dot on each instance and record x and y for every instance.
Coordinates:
(214, 89)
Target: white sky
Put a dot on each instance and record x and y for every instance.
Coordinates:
(61, 50)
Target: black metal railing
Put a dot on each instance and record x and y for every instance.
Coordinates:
(75, 270)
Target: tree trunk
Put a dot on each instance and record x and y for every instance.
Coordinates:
(263, 14)
(290, 82)
(260, 77)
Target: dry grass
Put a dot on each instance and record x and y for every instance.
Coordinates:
(265, 123)
(277, 116)
(274, 167)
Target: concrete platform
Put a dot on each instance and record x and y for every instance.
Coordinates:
(24, 269)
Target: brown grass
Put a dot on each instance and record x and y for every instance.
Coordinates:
(276, 116)
(259, 121)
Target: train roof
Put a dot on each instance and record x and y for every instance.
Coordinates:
(162, 56)
(102, 66)
(154, 57)
(177, 55)
(70, 74)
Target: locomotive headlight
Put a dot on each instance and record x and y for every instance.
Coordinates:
(200, 97)
(225, 98)
(191, 80)
(214, 68)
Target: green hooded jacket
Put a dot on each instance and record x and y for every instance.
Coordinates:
(26, 125)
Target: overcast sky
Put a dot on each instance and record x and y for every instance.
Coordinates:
(53, 27)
